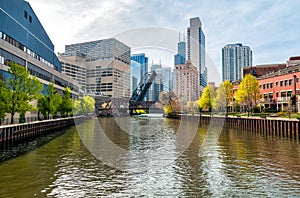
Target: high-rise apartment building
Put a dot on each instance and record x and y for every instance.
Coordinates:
(187, 82)
(234, 58)
(107, 64)
(23, 40)
(196, 49)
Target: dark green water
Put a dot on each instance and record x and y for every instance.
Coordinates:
(234, 164)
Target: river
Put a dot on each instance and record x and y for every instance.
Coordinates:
(148, 159)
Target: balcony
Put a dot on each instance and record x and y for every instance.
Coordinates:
(267, 100)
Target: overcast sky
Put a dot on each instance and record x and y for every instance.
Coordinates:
(270, 27)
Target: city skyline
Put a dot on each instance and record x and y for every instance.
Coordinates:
(270, 31)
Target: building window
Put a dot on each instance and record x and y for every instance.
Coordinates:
(286, 83)
(25, 14)
(283, 94)
(271, 85)
(276, 94)
(267, 85)
(297, 80)
(281, 83)
(290, 82)
(30, 19)
(276, 83)
(264, 86)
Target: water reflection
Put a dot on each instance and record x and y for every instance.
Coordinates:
(231, 163)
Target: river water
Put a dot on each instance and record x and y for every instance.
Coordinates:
(147, 161)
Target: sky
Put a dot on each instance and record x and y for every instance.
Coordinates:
(270, 27)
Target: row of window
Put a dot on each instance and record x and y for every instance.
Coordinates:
(24, 49)
(281, 83)
(282, 94)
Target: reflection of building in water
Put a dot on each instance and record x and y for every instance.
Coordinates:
(107, 64)
(164, 81)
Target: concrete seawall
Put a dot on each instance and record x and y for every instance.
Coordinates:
(280, 127)
(11, 135)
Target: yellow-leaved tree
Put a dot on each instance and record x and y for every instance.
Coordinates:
(248, 92)
(207, 99)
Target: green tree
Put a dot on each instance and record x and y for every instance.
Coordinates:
(4, 97)
(54, 100)
(207, 98)
(43, 106)
(87, 104)
(24, 89)
(66, 104)
(248, 91)
(77, 107)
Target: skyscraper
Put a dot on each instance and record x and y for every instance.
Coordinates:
(180, 58)
(196, 49)
(234, 58)
(187, 82)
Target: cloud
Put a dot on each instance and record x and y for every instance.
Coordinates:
(270, 28)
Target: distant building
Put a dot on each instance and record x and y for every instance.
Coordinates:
(107, 64)
(23, 40)
(234, 58)
(196, 49)
(187, 82)
(139, 67)
(164, 81)
(180, 58)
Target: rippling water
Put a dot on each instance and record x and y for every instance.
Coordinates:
(233, 163)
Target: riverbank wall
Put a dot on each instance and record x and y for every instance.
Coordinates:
(12, 135)
(280, 127)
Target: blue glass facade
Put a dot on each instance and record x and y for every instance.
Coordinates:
(139, 71)
(20, 24)
(180, 58)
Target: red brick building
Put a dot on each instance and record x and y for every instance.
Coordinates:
(276, 89)
(260, 70)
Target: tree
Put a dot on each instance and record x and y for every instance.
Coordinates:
(4, 96)
(54, 100)
(77, 107)
(49, 103)
(24, 88)
(248, 91)
(66, 104)
(207, 98)
(228, 86)
(224, 95)
(220, 101)
(87, 104)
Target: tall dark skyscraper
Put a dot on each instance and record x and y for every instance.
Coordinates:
(196, 49)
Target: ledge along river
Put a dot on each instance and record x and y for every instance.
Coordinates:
(145, 157)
